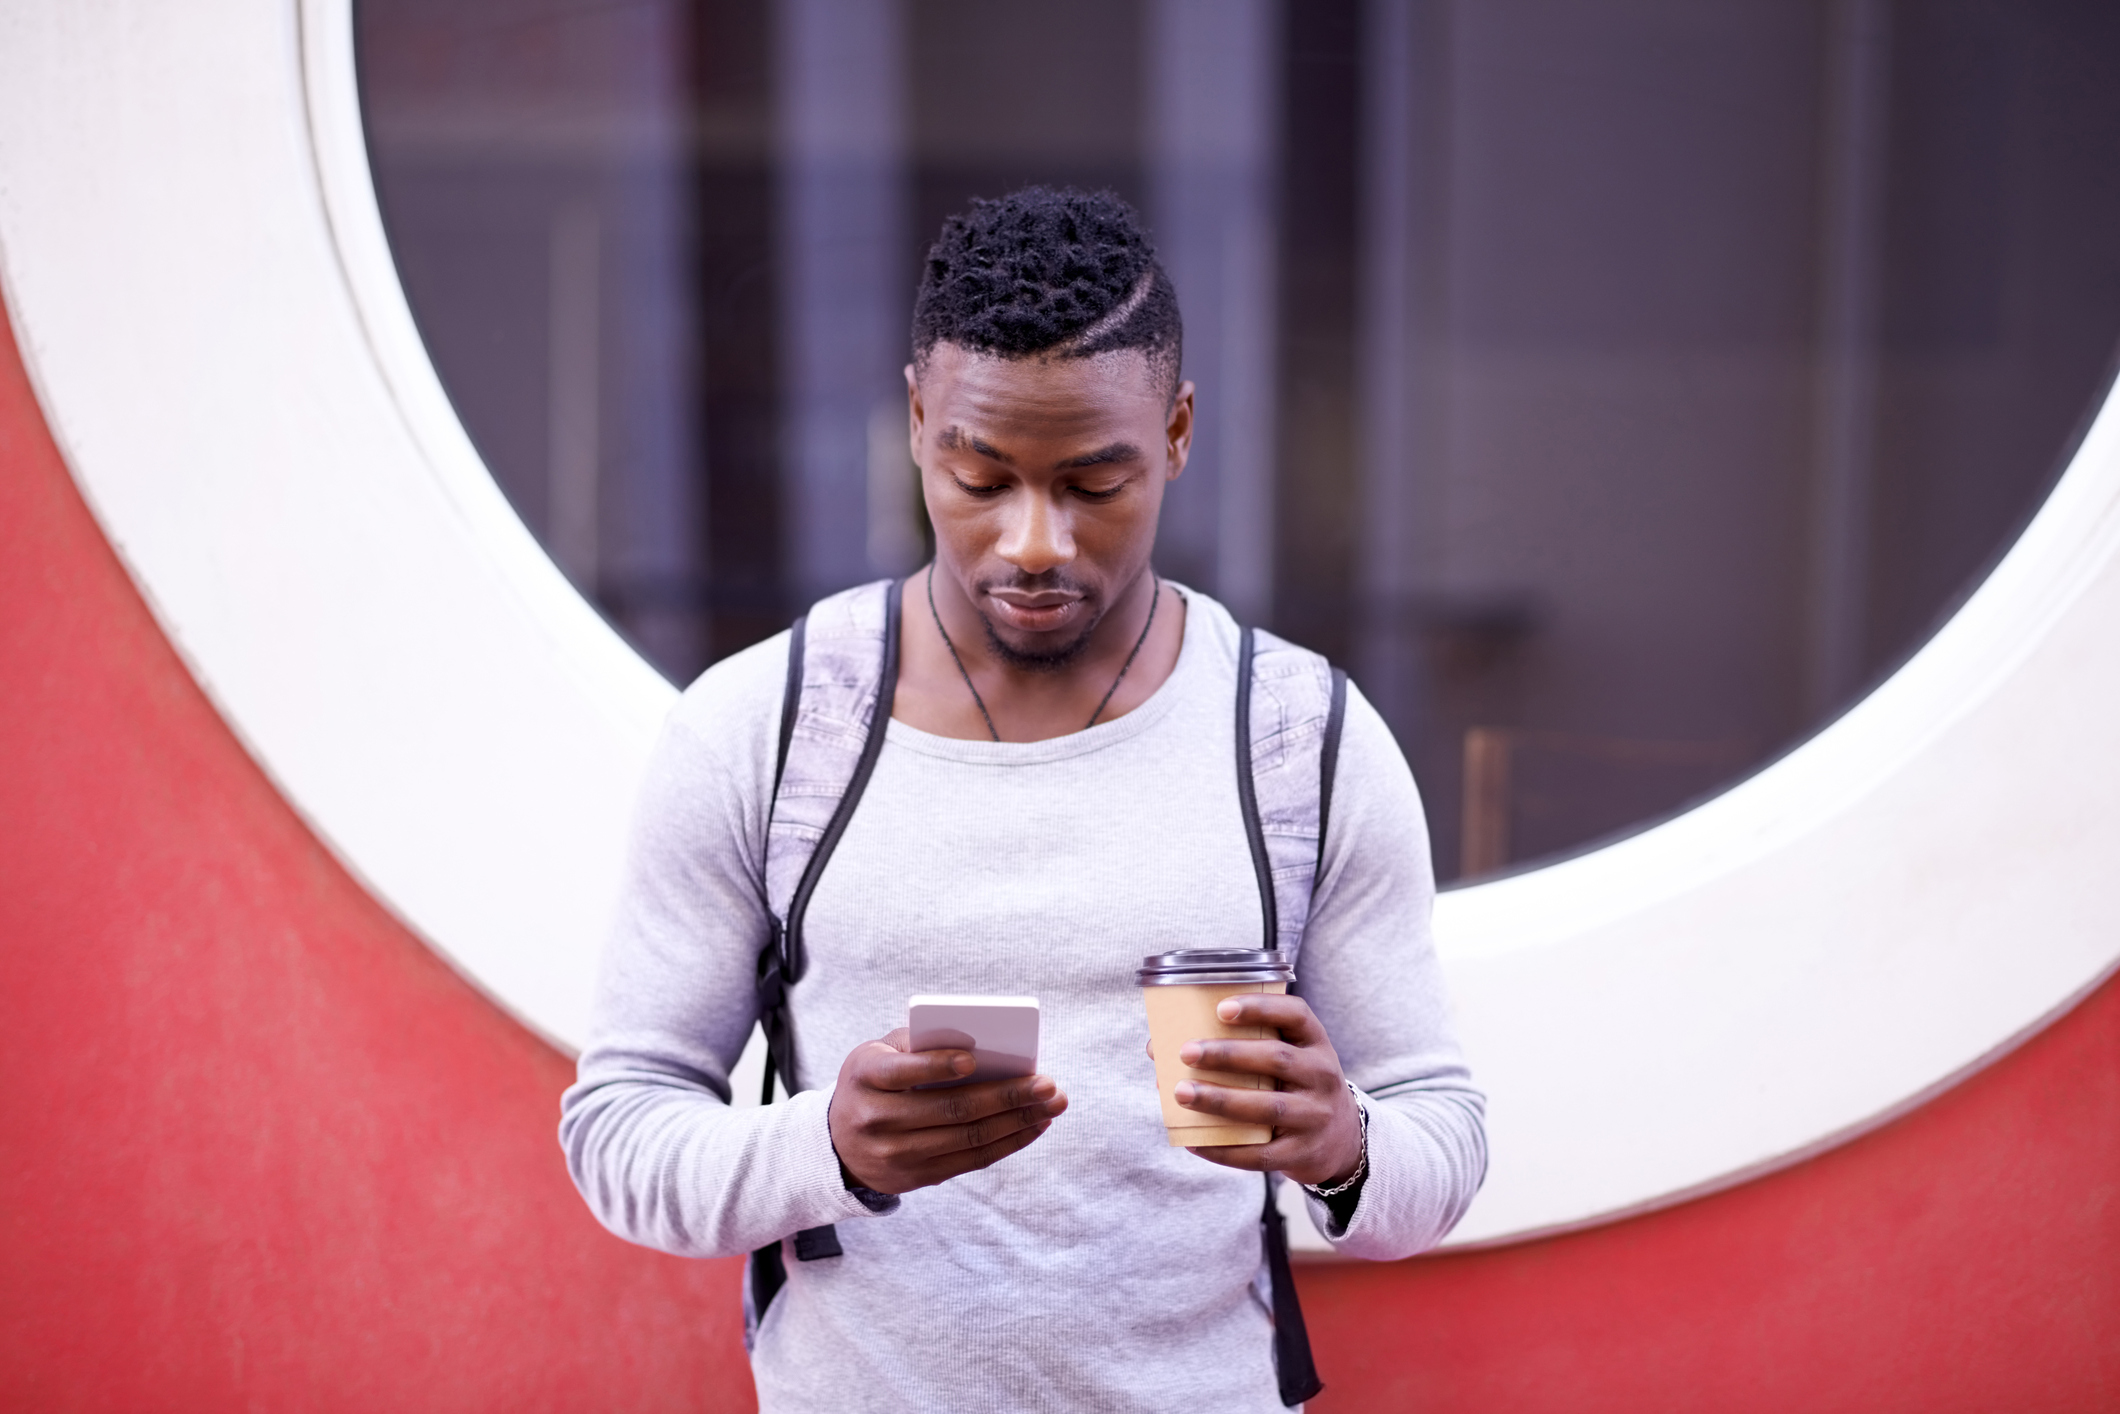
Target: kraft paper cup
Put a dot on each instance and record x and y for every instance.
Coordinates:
(1181, 991)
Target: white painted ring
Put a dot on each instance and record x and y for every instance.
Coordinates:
(192, 258)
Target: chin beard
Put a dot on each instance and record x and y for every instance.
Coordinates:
(1050, 661)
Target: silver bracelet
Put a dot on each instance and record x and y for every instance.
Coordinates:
(1361, 1164)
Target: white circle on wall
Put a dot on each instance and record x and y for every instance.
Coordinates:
(198, 279)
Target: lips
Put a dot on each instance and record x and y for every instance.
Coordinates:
(1034, 613)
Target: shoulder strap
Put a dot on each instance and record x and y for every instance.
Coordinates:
(790, 703)
(1329, 762)
(1248, 795)
(842, 677)
(835, 711)
(1291, 704)
(834, 714)
(881, 689)
(1295, 1368)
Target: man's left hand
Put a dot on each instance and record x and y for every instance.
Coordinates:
(1317, 1128)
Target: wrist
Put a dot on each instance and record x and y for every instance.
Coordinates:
(873, 1199)
(870, 1198)
(1350, 1177)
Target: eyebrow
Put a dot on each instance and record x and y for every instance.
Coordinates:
(955, 438)
(1105, 456)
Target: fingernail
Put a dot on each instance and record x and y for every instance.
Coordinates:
(1043, 1089)
(1185, 1092)
(1191, 1054)
(1229, 1009)
(962, 1064)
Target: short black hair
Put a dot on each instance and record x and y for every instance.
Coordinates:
(1049, 270)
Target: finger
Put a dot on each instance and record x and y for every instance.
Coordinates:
(923, 1146)
(985, 1156)
(899, 1040)
(1282, 1109)
(1293, 1066)
(964, 1104)
(884, 1067)
(1291, 1016)
(1257, 1158)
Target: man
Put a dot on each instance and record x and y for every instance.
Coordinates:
(1053, 801)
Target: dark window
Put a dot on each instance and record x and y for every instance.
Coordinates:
(1618, 388)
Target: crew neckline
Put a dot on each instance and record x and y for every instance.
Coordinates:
(1159, 704)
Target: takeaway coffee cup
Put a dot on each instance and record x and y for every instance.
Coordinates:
(1181, 991)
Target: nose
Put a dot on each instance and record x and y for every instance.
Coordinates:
(1038, 537)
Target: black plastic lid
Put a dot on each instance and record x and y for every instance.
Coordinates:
(1214, 966)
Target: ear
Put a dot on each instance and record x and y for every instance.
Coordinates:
(1178, 431)
(916, 416)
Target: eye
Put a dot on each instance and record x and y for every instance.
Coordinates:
(1089, 494)
(981, 491)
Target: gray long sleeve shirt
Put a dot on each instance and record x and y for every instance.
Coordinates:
(1099, 1268)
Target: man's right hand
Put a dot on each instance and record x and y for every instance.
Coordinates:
(894, 1138)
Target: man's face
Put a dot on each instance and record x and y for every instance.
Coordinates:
(1044, 478)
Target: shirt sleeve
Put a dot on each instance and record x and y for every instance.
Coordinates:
(1369, 970)
(651, 1139)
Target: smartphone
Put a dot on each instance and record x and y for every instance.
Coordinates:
(1000, 1032)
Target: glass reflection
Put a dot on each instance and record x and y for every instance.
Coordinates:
(1617, 388)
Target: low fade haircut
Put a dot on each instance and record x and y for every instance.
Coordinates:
(1049, 272)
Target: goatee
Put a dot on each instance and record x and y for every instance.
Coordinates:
(1049, 661)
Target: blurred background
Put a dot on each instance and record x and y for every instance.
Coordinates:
(1616, 387)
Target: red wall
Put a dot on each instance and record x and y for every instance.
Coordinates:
(261, 1149)
(1964, 1258)
(264, 1151)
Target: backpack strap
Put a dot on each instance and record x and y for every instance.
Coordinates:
(1291, 705)
(1329, 764)
(1295, 1369)
(1248, 792)
(842, 677)
(790, 704)
(834, 714)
